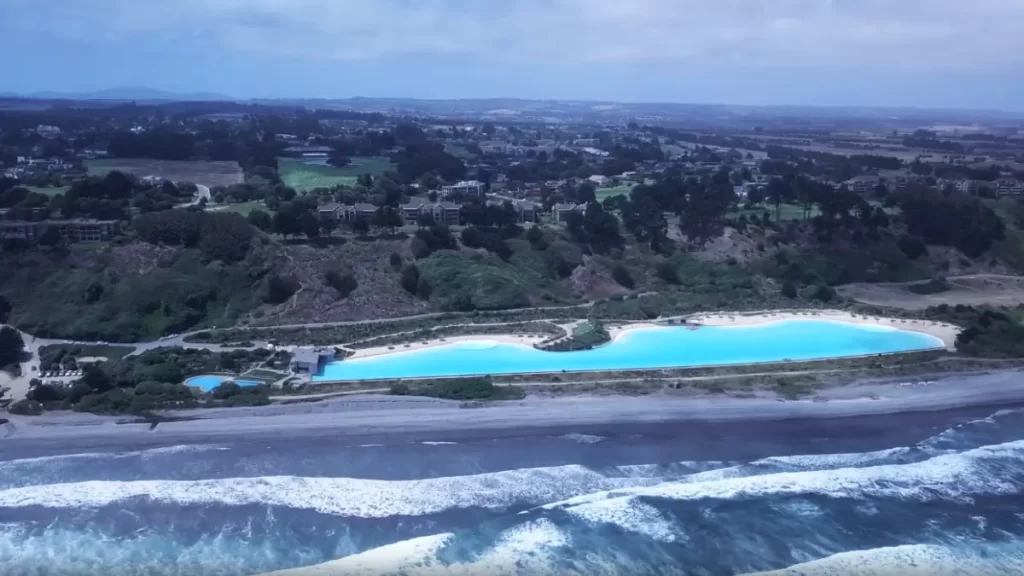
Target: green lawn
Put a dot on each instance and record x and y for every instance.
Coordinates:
(48, 191)
(304, 177)
(620, 190)
(244, 208)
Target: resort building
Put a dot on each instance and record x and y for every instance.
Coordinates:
(562, 211)
(332, 211)
(447, 213)
(70, 230)
(465, 188)
(359, 211)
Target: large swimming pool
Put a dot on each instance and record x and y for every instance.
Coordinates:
(661, 347)
(209, 382)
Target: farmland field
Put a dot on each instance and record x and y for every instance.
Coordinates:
(198, 172)
(306, 176)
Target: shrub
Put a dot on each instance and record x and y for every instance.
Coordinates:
(789, 290)
(26, 408)
(344, 283)
(911, 246)
(280, 289)
(823, 293)
(411, 278)
(395, 260)
(667, 272)
(623, 277)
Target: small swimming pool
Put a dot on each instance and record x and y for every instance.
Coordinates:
(209, 382)
(643, 349)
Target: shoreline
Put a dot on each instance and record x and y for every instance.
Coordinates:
(945, 334)
(361, 416)
(522, 339)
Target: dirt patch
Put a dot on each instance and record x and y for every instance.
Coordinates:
(379, 293)
(197, 172)
(593, 282)
(973, 290)
(732, 245)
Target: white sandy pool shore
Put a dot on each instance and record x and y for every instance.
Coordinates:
(947, 333)
(525, 340)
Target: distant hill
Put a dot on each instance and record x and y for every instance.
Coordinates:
(126, 93)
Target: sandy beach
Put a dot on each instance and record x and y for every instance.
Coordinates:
(945, 332)
(368, 415)
(526, 340)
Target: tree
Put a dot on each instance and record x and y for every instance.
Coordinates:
(667, 272)
(261, 220)
(5, 310)
(411, 278)
(789, 290)
(51, 238)
(309, 224)
(96, 379)
(12, 346)
(360, 226)
(395, 260)
(286, 223)
(344, 283)
(823, 293)
(621, 275)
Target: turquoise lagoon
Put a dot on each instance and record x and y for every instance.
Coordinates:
(660, 347)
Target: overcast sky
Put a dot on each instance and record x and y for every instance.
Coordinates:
(927, 53)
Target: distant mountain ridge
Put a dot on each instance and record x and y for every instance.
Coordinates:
(124, 93)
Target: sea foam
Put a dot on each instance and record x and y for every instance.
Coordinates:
(525, 549)
(336, 496)
(916, 560)
(950, 476)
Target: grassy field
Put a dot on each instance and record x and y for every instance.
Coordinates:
(620, 190)
(198, 172)
(789, 211)
(48, 191)
(304, 177)
(244, 208)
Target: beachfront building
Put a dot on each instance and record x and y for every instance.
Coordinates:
(308, 360)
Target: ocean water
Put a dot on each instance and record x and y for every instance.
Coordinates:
(939, 493)
(661, 347)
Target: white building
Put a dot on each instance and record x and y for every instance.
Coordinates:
(465, 188)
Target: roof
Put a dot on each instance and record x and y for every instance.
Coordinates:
(564, 207)
(306, 357)
(414, 203)
(329, 207)
(363, 207)
(449, 206)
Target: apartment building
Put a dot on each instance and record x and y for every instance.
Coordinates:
(70, 231)
(465, 188)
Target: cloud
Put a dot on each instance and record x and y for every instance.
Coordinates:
(871, 34)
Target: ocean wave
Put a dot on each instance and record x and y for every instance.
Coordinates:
(439, 443)
(336, 496)
(922, 560)
(583, 438)
(60, 551)
(528, 548)
(948, 476)
(163, 451)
